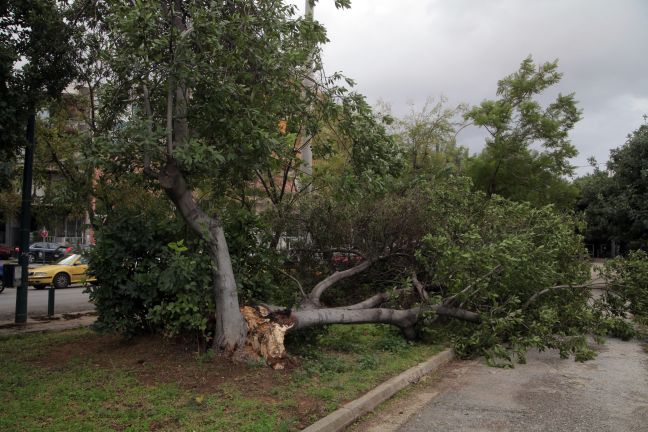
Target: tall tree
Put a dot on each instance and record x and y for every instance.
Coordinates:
(528, 148)
(196, 91)
(36, 63)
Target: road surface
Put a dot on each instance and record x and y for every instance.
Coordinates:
(66, 300)
(608, 394)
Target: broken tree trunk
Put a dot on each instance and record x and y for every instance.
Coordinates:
(268, 325)
(265, 334)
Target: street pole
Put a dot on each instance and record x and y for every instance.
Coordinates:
(305, 138)
(25, 221)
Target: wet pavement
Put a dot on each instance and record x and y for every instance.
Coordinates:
(609, 393)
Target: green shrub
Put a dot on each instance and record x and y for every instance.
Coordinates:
(153, 274)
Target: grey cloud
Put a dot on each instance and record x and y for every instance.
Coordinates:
(407, 50)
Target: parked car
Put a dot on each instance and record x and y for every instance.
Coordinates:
(71, 269)
(345, 260)
(47, 252)
(6, 251)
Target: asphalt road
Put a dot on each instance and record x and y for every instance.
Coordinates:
(66, 300)
(607, 394)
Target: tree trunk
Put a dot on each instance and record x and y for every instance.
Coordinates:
(231, 328)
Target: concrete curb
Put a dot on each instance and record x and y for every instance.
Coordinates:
(343, 417)
(57, 322)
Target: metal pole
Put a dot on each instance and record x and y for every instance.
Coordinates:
(50, 301)
(25, 221)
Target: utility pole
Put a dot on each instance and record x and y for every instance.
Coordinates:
(25, 221)
(305, 138)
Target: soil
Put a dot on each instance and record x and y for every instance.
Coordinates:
(156, 360)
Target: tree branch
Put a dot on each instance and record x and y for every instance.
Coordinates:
(169, 117)
(299, 285)
(313, 299)
(597, 285)
(149, 116)
(420, 289)
(403, 319)
(369, 303)
(498, 268)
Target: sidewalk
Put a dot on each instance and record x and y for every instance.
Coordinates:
(43, 324)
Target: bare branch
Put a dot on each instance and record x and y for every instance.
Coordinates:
(169, 118)
(318, 290)
(149, 117)
(420, 289)
(265, 186)
(369, 303)
(596, 285)
(299, 285)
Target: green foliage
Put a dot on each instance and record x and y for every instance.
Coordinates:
(428, 138)
(599, 204)
(614, 201)
(493, 256)
(131, 255)
(36, 63)
(185, 304)
(512, 165)
(628, 284)
(154, 276)
(507, 252)
(257, 267)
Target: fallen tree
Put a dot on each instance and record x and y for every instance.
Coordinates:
(193, 98)
(498, 280)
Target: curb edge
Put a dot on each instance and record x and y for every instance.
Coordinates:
(350, 412)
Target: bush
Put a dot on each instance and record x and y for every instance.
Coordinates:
(145, 281)
(153, 274)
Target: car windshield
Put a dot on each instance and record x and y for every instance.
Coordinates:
(69, 260)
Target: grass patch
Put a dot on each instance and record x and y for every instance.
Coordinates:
(81, 381)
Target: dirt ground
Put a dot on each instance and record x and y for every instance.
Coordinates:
(155, 360)
(609, 393)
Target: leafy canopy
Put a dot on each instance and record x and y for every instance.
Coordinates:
(528, 148)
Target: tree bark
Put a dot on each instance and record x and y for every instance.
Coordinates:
(403, 319)
(231, 328)
(313, 317)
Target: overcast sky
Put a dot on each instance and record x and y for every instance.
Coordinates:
(407, 50)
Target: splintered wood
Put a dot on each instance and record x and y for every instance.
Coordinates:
(266, 332)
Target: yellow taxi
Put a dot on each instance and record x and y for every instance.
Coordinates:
(71, 269)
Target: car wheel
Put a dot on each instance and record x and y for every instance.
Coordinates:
(39, 287)
(61, 280)
(1, 286)
(32, 258)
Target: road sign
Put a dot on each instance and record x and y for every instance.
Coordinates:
(44, 233)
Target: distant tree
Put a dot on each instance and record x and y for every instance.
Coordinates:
(36, 63)
(528, 149)
(615, 202)
(597, 202)
(427, 136)
(629, 163)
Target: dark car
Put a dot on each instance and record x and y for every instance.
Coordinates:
(47, 252)
(6, 251)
